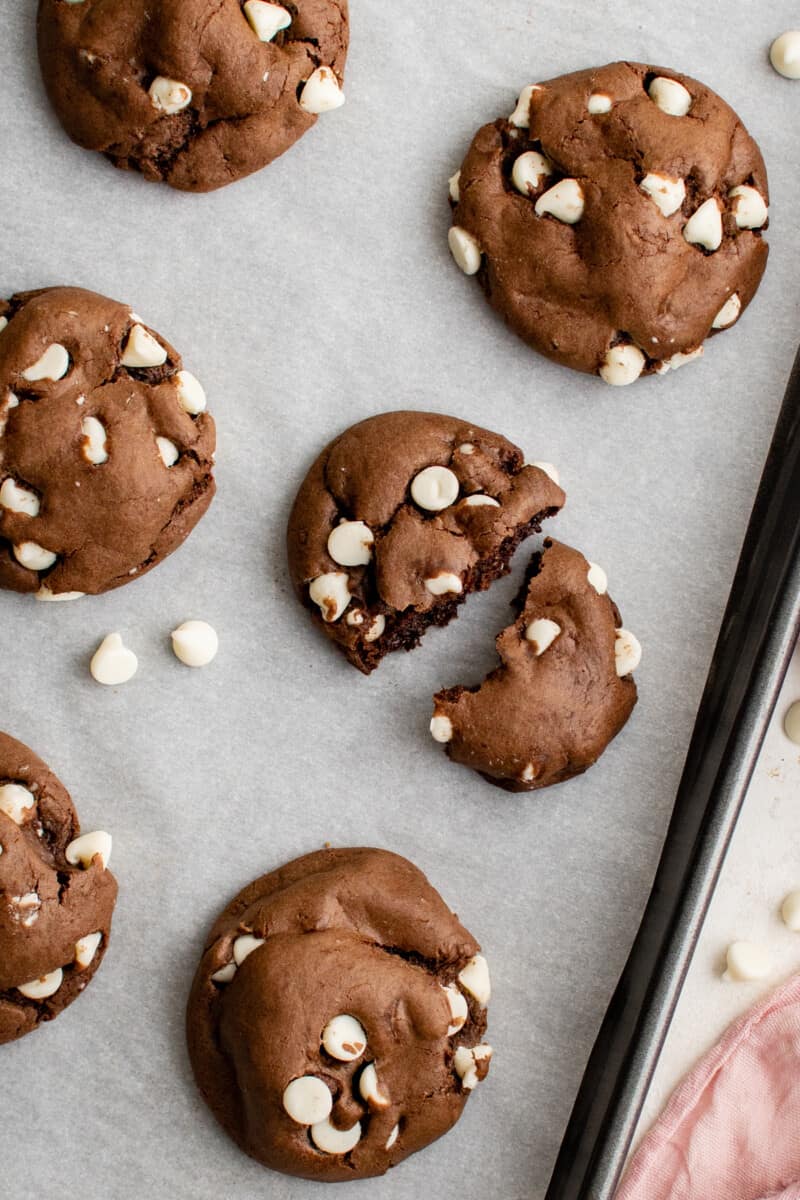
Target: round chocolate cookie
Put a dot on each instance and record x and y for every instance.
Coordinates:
(197, 93)
(614, 219)
(106, 454)
(336, 1017)
(56, 894)
(563, 690)
(400, 518)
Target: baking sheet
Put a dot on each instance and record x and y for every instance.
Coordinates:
(305, 298)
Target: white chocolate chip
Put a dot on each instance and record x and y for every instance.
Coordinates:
(195, 643)
(454, 187)
(549, 469)
(728, 313)
(82, 851)
(479, 500)
(465, 1061)
(627, 652)
(27, 908)
(308, 1100)
(597, 578)
(3, 323)
(466, 448)
(679, 360)
(350, 544)
(521, 114)
(598, 103)
(53, 364)
(475, 980)
(746, 962)
(112, 662)
(445, 581)
(355, 617)
(86, 948)
(94, 441)
(541, 633)
(266, 19)
(169, 96)
(790, 911)
(784, 54)
(564, 202)
(704, 227)
(441, 729)
(330, 1140)
(344, 1038)
(528, 775)
(168, 451)
(670, 96)
(459, 1009)
(749, 208)
(44, 593)
(666, 193)
(622, 365)
(33, 556)
(18, 499)
(244, 946)
(321, 92)
(464, 249)
(332, 593)
(376, 628)
(392, 1138)
(434, 488)
(369, 1088)
(791, 722)
(142, 349)
(44, 986)
(225, 974)
(16, 802)
(191, 394)
(529, 170)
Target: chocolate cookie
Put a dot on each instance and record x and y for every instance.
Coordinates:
(197, 93)
(336, 1017)
(56, 894)
(106, 453)
(563, 690)
(400, 518)
(614, 219)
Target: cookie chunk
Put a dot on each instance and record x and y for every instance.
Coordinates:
(106, 453)
(400, 518)
(197, 93)
(563, 690)
(56, 894)
(335, 1020)
(614, 219)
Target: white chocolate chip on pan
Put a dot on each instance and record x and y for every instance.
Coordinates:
(541, 634)
(169, 96)
(321, 92)
(266, 19)
(350, 544)
(464, 249)
(344, 1038)
(112, 662)
(564, 201)
(790, 911)
(52, 365)
(434, 488)
(784, 54)
(441, 729)
(16, 802)
(331, 592)
(195, 643)
(82, 851)
(791, 722)
(746, 962)
(670, 96)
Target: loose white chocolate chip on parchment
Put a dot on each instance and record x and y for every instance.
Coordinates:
(441, 729)
(112, 662)
(82, 851)
(444, 582)
(529, 170)
(44, 986)
(308, 1100)
(479, 500)
(465, 1061)
(728, 313)
(667, 194)
(784, 54)
(244, 946)
(704, 227)
(376, 628)
(142, 349)
(369, 1088)
(749, 207)
(597, 578)
(344, 1038)
(53, 365)
(622, 365)
(598, 103)
(191, 394)
(670, 96)
(350, 544)
(464, 249)
(520, 117)
(33, 556)
(331, 593)
(790, 911)
(565, 202)
(266, 19)
(18, 499)
(549, 469)
(169, 96)
(195, 643)
(434, 488)
(225, 974)
(454, 187)
(627, 652)
(541, 634)
(459, 1009)
(94, 441)
(86, 948)
(791, 722)
(321, 92)
(679, 360)
(745, 962)
(475, 979)
(16, 801)
(392, 1138)
(168, 451)
(330, 1140)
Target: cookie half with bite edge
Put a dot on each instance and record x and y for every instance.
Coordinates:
(400, 518)
(336, 1019)
(57, 895)
(615, 219)
(563, 690)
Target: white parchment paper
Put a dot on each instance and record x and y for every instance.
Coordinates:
(305, 298)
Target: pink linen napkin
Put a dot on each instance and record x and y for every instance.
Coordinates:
(731, 1129)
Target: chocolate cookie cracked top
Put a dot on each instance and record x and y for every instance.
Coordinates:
(564, 687)
(400, 518)
(614, 219)
(197, 93)
(106, 452)
(335, 1020)
(56, 894)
